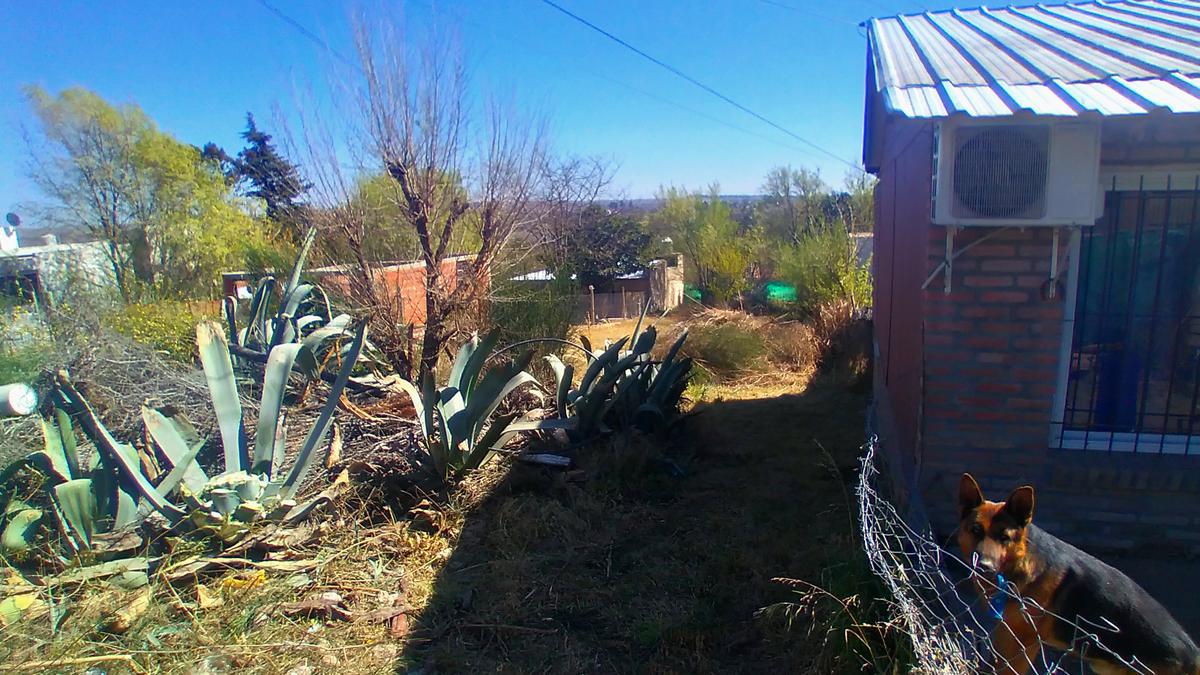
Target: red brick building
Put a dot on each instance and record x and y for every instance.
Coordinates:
(407, 278)
(1037, 262)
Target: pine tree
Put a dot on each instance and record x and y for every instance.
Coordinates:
(272, 178)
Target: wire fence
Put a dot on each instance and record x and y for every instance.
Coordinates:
(953, 628)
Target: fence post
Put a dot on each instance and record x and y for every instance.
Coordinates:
(624, 304)
(592, 292)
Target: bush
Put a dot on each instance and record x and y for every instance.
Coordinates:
(824, 267)
(521, 313)
(794, 345)
(25, 347)
(726, 349)
(167, 326)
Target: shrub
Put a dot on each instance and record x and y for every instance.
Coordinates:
(167, 326)
(520, 313)
(726, 349)
(794, 345)
(25, 347)
(824, 267)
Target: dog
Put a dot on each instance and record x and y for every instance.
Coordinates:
(1064, 590)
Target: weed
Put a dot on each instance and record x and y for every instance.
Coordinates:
(726, 350)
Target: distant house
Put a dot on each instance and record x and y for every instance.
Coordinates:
(1037, 261)
(38, 275)
(406, 277)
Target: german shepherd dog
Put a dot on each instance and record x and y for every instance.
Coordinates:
(1072, 594)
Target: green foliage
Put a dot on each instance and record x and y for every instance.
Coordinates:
(26, 348)
(169, 221)
(603, 245)
(456, 420)
(705, 230)
(167, 326)
(523, 313)
(271, 178)
(825, 268)
(726, 349)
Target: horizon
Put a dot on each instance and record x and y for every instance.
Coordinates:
(197, 71)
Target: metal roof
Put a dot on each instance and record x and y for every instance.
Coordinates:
(1127, 57)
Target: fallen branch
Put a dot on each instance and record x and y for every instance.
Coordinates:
(80, 661)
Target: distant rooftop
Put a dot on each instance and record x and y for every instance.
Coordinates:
(1128, 57)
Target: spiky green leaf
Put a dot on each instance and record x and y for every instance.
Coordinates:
(222, 388)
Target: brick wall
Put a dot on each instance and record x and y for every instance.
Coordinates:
(991, 353)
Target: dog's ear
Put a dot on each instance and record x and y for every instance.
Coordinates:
(969, 495)
(1019, 505)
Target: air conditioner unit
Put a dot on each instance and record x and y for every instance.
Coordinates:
(1017, 173)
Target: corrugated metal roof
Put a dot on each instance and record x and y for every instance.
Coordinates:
(1127, 57)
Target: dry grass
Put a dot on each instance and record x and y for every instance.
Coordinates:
(643, 559)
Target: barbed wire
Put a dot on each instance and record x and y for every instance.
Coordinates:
(952, 629)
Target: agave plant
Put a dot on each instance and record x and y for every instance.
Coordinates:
(265, 330)
(252, 485)
(84, 502)
(456, 420)
(623, 387)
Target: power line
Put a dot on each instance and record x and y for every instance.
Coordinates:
(678, 73)
(309, 34)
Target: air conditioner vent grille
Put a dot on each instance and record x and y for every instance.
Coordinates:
(1000, 172)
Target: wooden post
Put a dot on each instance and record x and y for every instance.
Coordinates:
(624, 304)
(592, 292)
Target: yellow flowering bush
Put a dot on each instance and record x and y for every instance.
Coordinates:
(167, 326)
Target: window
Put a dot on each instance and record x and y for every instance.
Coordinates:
(1133, 375)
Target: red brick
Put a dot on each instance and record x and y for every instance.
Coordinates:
(941, 309)
(1031, 280)
(981, 372)
(993, 250)
(1035, 251)
(1015, 265)
(1036, 343)
(991, 357)
(997, 312)
(939, 339)
(1003, 328)
(999, 387)
(986, 342)
(1039, 312)
(987, 281)
(945, 326)
(1008, 297)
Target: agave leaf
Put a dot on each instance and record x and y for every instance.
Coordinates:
(298, 268)
(229, 307)
(66, 432)
(307, 320)
(455, 424)
(175, 445)
(307, 454)
(488, 443)
(645, 342)
(638, 327)
(465, 352)
(123, 454)
(678, 344)
(497, 384)
(564, 390)
(600, 362)
(77, 505)
(339, 325)
(280, 446)
(557, 365)
(218, 370)
(587, 345)
(275, 380)
(256, 323)
(295, 298)
(417, 401)
(21, 530)
(436, 445)
(475, 363)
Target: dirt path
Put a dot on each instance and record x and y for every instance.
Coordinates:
(650, 566)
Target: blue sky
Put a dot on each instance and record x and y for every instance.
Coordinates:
(197, 68)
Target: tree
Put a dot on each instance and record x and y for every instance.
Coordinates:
(791, 204)
(271, 178)
(571, 186)
(167, 218)
(452, 166)
(704, 228)
(603, 246)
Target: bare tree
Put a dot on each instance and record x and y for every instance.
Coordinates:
(460, 175)
(571, 185)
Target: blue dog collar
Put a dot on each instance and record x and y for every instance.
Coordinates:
(996, 604)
